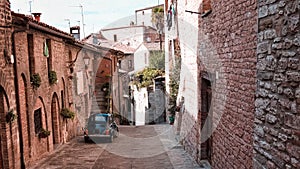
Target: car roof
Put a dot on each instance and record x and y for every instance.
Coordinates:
(102, 114)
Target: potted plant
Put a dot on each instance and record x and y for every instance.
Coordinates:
(52, 77)
(10, 116)
(44, 133)
(35, 80)
(67, 113)
(171, 119)
(105, 87)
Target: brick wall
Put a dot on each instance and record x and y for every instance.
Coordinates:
(9, 131)
(51, 98)
(277, 115)
(227, 42)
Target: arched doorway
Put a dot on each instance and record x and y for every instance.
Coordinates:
(55, 119)
(4, 106)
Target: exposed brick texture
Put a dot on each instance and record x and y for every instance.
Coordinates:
(224, 54)
(8, 131)
(227, 42)
(277, 115)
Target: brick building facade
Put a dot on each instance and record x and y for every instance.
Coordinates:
(30, 49)
(39, 106)
(9, 132)
(227, 78)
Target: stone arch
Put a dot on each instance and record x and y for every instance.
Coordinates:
(55, 118)
(39, 117)
(45, 119)
(4, 107)
(24, 116)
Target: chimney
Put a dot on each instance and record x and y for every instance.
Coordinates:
(37, 16)
(75, 31)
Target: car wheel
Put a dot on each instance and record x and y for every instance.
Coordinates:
(86, 139)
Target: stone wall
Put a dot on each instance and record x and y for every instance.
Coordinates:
(277, 115)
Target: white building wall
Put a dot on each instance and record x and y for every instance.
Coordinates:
(144, 19)
(124, 33)
(141, 103)
(141, 58)
(188, 35)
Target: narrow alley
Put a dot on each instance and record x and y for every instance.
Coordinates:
(152, 146)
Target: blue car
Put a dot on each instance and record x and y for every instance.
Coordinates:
(100, 126)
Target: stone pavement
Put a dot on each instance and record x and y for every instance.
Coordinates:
(136, 147)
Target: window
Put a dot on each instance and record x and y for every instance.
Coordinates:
(49, 59)
(37, 120)
(115, 38)
(120, 64)
(31, 53)
(206, 8)
(145, 55)
(130, 64)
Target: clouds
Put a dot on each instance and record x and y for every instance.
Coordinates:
(97, 13)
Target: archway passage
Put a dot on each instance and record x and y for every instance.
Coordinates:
(55, 119)
(3, 109)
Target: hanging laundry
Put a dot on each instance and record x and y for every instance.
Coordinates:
(173, 10)
(46, 50)
(169, 18)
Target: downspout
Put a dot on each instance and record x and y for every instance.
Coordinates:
(135, 17)
(17, 96)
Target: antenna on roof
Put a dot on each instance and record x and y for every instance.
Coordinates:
(30, 2)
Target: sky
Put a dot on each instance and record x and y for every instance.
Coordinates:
(97, 13)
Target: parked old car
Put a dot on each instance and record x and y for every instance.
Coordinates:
(100, 126)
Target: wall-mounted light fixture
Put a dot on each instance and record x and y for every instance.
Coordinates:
(86, 60)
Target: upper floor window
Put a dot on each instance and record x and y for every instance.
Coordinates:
(30, 48)
(115, 38)
(37, 120)
(130, 64)
(206, 8)
(49, 55)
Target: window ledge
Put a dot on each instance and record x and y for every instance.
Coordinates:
(206, 13)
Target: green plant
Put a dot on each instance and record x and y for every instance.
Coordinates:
(145, 77)
(67, 113)
(157, 16)
(52, 77)
(157, 60)
(35, 80)
(44, 133)
(10, 116)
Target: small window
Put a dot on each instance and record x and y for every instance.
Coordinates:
(115, 38)
(120, 64)
(37, 120)
(31, 53)
(49, 58)
(145, 55)
(130, 64)
(206, 8)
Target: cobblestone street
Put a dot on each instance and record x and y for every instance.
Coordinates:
(136, 147)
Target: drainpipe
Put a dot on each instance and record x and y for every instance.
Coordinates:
(17, 96)
(119, 93)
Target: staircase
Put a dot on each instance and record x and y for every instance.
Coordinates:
(100, 103)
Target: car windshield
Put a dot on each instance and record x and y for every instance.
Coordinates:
(100, 119)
